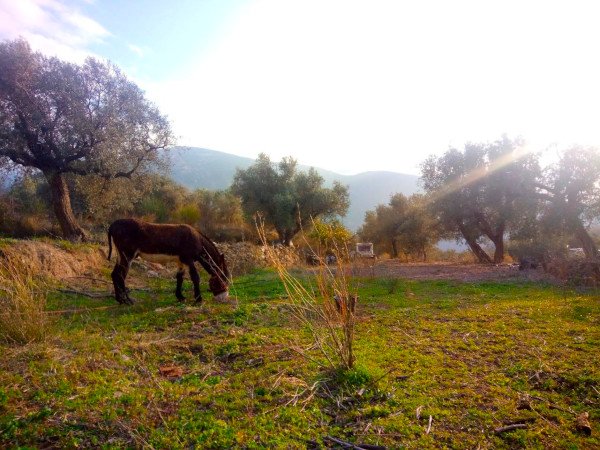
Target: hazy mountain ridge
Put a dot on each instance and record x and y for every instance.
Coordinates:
(196, 167)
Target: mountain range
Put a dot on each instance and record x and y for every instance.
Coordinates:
(196, 168)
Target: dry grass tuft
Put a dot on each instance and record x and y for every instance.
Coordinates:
(22, 301)
(326, 309)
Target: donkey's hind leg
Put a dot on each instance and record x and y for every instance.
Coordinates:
(179, 277)
(118, 275)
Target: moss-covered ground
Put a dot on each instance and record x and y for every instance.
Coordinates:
(439, 365)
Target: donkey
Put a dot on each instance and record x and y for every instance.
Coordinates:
(133, 238)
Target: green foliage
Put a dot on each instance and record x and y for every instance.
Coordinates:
(164, 198)
(403, 226)
(189, 214)
(98, 201)
(570, 194)
(221, 214)
(285, 198)
(353, 378)
(62, 118)
(330, 236)
(483, 190)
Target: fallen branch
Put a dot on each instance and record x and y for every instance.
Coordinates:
(429, 426)
(514, 426)
(96, 294)
(90, 278)
(86, 294)
(349, 445)
(80, 310)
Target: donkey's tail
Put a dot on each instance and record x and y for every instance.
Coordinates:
(109, 244)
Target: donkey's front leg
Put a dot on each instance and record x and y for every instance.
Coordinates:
(196, 282)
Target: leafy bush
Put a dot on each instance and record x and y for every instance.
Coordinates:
(538, 249)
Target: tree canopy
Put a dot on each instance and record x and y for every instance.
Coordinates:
(287, 198)
(61, 118)
(570, 194)
(481, 191)
(403, 226)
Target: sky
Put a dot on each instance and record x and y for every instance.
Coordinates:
(344, 85)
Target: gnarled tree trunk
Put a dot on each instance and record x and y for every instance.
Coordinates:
(61, 204)
(395, 251)
(499, 249)
(481, 255)
(496, 236)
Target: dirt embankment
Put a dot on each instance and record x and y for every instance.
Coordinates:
(61, 261)
(56, 260)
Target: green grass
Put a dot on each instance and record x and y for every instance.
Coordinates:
(460, 353)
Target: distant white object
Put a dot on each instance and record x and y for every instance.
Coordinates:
(576, 252)
(365, 249)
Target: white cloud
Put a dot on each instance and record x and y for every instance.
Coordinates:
(137, 50)
(51, 27)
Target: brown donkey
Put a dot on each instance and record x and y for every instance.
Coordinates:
(133, 238)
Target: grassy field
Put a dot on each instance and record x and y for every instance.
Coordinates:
(439, 365)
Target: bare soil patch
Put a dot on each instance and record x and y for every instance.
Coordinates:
(451, 271)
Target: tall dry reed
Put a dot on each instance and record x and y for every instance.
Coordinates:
(22, 301)
(325, 304)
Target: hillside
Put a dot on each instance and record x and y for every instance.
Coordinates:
(209, 169)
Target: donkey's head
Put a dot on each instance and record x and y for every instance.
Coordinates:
(218, 283)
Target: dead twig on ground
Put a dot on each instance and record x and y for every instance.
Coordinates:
(349, 445)
(514, 426)
(86, 294)
(80, 310)
(429, 426)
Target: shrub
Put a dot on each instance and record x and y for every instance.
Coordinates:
(538, 249)
(22, 302)
(575, 272)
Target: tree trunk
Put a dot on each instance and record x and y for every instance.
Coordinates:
(499, 249)
(587, 243)
(394, 248)
(61, 204)
(497, 237)
(481, 256)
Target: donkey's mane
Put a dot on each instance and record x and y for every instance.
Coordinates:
(213, 252)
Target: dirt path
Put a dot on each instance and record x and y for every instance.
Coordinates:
(450, 271)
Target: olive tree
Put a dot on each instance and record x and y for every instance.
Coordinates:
(482, 191)
(62, 118)
(404, 225)
(570, 192)
(287, 198)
